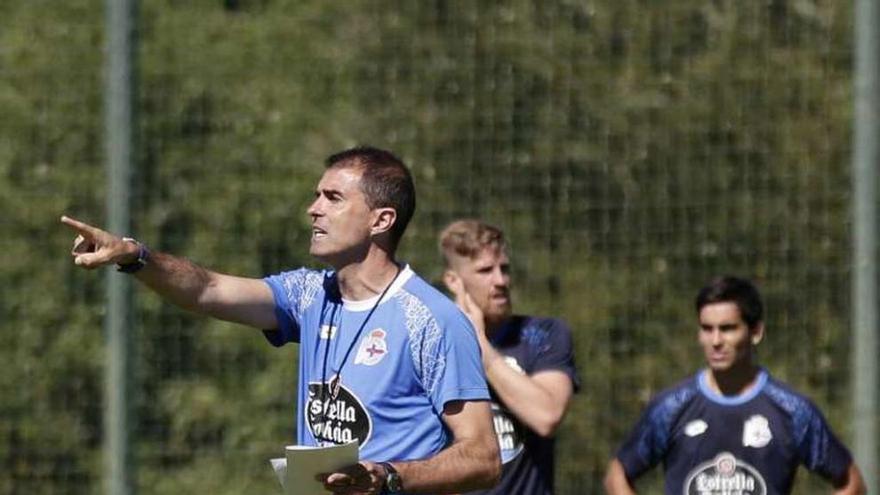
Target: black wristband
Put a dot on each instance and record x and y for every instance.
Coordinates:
(393, 483)
(143, 256)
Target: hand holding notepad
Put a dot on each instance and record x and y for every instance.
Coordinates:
(297, 471)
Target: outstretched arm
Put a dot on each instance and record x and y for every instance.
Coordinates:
(616, 482)
(852, 484)
(242, 300)
(540, 400)
(471, 462)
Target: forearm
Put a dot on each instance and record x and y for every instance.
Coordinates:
(531, 401)
(243, 300)
(177, 280)
(853, 484)
(194, 288)
(463, 466)
(616, 482)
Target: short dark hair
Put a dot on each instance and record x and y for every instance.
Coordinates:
(385, 181)
(739, 291)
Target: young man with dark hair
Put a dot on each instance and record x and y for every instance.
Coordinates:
(528, 360)
(375, 340)
(732, 429)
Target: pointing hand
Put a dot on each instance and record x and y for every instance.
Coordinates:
(93, 247)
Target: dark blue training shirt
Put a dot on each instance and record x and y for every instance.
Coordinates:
(529, 345)
(751, 444)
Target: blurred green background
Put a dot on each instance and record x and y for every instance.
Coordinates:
(631, 149)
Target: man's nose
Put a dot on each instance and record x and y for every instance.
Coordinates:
(314, 209)
(500, 278)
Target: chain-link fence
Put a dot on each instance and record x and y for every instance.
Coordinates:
(631, 149)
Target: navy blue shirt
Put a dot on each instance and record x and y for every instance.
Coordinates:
(529, 345)
(748, 444)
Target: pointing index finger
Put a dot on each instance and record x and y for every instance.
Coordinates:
(83, 228)
(80, 227)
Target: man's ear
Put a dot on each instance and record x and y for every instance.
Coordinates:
(757, 333)
(383, 220)
(451, 280)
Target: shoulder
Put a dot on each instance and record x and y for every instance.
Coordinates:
(795, 404)
(541, 325)
(302, 276)
(300, 283)
(423, 302)
(670, 401)
(535, 331)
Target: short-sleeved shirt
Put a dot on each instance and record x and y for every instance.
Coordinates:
(399, 361)
(529, 345)
(749, 444)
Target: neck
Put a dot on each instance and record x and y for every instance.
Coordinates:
(735, 381)
(368, 277)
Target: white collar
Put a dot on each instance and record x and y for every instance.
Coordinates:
(366, 304)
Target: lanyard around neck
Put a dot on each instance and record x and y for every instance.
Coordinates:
(336, 380)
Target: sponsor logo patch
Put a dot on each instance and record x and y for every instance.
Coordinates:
(725, 475)
(509, 439)
(337, 421)
(372, 349)
(327, 332)
(695, 428)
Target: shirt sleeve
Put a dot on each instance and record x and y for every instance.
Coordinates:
(291, 291)
(557, 351)
(647, 443)
(448, 363)
(818, 447)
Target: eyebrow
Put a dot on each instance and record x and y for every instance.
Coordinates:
(492, 265)
(328, 191)
(723, 326)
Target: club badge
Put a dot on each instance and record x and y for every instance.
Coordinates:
(756, 432)
(373, 348)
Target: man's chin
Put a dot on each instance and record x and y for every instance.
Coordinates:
(498, 315)
(502, 309)
(719, 367)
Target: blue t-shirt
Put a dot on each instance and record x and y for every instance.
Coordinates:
(751, 444)
(404, 358)
(529, 345)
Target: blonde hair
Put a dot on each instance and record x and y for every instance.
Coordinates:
(467, 238)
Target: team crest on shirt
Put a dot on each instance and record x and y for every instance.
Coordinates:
(373, 348)
(756, 432)
(725, 475)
